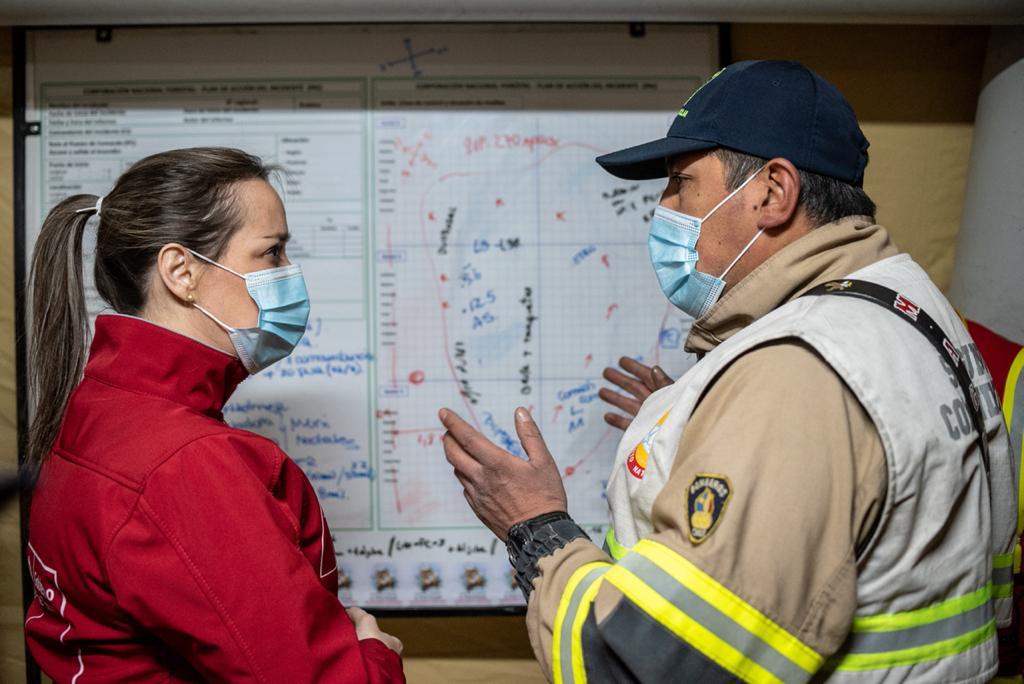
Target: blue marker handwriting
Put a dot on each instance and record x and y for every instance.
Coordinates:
(504, 439)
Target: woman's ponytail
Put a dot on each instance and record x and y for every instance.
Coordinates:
(60, 324)
(179, 196)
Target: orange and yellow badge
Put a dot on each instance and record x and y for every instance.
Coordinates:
(636, 462)
(706, 499)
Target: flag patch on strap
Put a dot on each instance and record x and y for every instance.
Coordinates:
(706, 499)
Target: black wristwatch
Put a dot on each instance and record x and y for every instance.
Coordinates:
(533, 539)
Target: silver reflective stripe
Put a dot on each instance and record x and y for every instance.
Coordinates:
(713, 619)
(922, 635)
(1002, 587)
(1003, 608)
(565, 646)
(1002, 576)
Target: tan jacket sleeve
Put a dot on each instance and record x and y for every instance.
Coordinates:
(808, 478)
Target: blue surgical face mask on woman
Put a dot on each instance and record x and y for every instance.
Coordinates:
(673, 247)
(280, 294)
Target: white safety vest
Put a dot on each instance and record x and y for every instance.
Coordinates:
(926, 611)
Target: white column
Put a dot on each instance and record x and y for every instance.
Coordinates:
(988, 274)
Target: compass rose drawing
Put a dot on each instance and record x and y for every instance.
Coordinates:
(412, 56)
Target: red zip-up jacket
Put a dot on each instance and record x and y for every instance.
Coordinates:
(167, 546)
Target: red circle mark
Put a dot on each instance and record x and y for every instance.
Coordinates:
(444, 278)
(569, 470)
(417, 377)
(444, 305)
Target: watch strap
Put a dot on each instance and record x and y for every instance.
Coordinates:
(533, 539)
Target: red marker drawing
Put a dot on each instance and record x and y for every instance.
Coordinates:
(417, 377)
(444, 278)
(604, 260)
(569, 470)
(587, 360)
(431, 217)
(558, 409)
(560, 215)
(499, 202)
(611, 308)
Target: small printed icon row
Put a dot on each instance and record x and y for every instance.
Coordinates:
(427, 577)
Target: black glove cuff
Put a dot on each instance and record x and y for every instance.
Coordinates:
(533, 539)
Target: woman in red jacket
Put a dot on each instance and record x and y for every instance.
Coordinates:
(165, 545)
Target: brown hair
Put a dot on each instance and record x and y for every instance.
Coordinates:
(182, 196)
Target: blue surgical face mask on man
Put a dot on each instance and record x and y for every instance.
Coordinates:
(673, 247)
(283, 303)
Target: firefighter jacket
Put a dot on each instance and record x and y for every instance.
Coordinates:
(807, 501)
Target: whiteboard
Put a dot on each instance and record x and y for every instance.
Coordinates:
(460, 246)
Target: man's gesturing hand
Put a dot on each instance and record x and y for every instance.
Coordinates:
(639, 380)
(501, 488)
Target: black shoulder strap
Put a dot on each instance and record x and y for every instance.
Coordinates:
(912, 313)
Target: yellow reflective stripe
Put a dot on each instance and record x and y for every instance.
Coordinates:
(740, 612)
(560, 616)
(1014, 378)
(556, 634)
(910, 656)
(1002, 591)
(615, 549)
(1011, 385)
(1008, 563)
(579, 671)
(923, 616)
(686, 628)
(1002, 560)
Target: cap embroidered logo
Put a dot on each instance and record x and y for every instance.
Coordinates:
(683, 111)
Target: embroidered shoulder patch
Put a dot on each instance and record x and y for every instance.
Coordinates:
(706, 499)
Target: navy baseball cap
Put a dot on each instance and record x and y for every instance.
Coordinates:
(766, 108)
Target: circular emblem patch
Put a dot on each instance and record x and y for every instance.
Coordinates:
(636, 462)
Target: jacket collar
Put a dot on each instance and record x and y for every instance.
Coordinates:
(134, 354)
(833, 250)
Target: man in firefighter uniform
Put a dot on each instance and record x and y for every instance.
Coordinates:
(812, 499)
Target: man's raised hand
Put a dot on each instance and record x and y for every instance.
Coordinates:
(639, 381)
